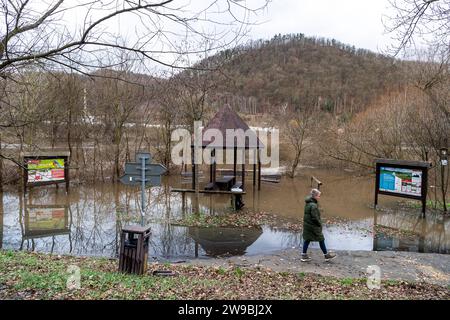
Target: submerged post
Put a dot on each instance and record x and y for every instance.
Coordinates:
(142, 188)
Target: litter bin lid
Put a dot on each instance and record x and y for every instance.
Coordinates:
(136, 229)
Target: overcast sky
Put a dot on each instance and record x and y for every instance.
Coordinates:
(356, 22)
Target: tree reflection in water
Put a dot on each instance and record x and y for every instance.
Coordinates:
(411, 232)
(97, 213)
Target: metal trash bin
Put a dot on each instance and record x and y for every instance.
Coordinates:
(133, 254)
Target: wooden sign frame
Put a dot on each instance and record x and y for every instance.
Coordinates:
(403, 164)
(43, 155)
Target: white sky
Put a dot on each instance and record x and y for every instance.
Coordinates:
(355, 22)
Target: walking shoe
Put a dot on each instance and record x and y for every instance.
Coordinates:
(329, 256)
(305, 258)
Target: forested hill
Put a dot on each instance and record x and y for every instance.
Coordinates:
(306, 72)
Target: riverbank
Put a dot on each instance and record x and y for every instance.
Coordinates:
(25, 275)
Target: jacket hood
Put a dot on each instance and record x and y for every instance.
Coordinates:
(309, 199)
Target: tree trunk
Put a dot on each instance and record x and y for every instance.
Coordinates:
(1, 173)
(69, 131)
(295, 163)
(1, 219)
(117, 139)
(443, 188)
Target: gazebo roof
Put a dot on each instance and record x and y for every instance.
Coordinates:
(225, 119)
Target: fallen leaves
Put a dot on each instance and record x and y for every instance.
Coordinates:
(100, 280)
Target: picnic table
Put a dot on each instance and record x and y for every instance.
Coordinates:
(225, 182)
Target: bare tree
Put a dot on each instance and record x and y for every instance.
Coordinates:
(39, 33)
(86, 35)
(420, 20)
(433, 79)
(428, 21)
(299, 125)
(115, 103)
(168, 116)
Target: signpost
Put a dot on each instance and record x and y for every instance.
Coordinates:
(143, 173)
(402, 178)
(134, 251)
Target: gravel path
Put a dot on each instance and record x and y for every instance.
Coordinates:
(422, 267)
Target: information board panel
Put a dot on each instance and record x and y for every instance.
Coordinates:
(45, 170)
(400, 180)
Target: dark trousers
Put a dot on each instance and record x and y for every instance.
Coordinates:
(321, 244)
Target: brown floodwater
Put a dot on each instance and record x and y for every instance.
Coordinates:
(88, 220)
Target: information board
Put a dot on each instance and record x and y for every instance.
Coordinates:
(45, 167)
(402, 178)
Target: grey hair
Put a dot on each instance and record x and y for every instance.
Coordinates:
(315, 192)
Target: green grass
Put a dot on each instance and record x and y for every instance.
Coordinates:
(238, 272)
(392, 282)
(221, 271)
(347, 281)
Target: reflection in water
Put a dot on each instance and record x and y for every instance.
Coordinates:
(342, 196)
(88, 220)
(225, 241)
(44, 221)
(170, 242)
(416, 233)
(1, 219)
(39, 220)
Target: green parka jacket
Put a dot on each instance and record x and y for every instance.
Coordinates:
(312, 224)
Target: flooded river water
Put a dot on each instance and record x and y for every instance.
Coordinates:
(88, 220)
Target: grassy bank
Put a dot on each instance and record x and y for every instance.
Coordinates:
(40, 276)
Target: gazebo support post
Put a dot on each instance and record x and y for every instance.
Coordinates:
(259, 170)
(234, 164)
(243, 169)
(193, 169)
(211, 168)
(254, 169)
(243, 176)
(214, 166)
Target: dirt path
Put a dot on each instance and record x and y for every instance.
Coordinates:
(426, 267)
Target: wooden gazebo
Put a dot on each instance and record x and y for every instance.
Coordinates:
(227, 118)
